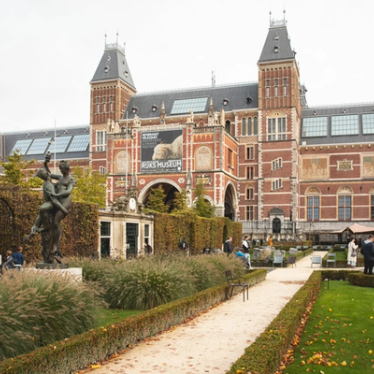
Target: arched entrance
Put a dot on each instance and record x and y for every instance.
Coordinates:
(277, 226)
(230, 202)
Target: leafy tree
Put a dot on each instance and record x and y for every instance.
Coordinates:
(17, 171)
(180, 201)
(90, 186)
(156, 201)
(202, 207)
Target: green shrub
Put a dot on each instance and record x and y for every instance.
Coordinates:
(361, 279)
(36, 310)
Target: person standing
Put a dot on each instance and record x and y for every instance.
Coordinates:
(368, 252)
(227, 248)
(9, 263)
(271, 241)
(246, 251)
(352, 253)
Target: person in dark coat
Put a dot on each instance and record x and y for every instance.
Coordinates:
(18, 258)
(368, 252)
(227, 248)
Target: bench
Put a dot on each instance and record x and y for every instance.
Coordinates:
(317, 260)
(291, 260)
(236, 282)
(278, 260)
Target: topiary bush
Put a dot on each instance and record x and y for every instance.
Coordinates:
(37, 310)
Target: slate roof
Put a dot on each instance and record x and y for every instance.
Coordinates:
(277, 46)
(11, 138)
(113, 65)
(237, 95)
(337, 110)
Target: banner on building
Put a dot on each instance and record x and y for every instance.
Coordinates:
(161, 152)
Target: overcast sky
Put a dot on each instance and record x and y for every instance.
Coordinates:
(51, 49)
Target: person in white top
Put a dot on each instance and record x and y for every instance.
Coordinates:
(246, 251)
(352, 253)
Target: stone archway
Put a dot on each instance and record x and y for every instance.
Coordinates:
(231, 202)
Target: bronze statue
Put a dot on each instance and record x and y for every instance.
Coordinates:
(57, 201)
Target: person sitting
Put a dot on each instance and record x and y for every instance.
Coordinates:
(9, 263)
(244, 256)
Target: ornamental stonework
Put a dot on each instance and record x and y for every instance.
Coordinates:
(122, 162)
(203, 158)
(345, 165)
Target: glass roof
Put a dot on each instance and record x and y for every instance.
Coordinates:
(38, 146)
(79, 143)
(314, 126)
(344, 125)
(22, 145)
(60, 144)
(183, 106)
(368, 124)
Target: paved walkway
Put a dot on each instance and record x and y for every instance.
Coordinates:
(212, 342)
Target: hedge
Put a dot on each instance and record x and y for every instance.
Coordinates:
(198, 232)
(79, 351)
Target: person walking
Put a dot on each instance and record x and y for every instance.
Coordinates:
(368, 252)
(352, 253)
(18, 258)
(227, 248)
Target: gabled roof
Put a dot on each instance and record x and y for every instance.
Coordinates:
(277, 46)
(240, 96)
(113, 65)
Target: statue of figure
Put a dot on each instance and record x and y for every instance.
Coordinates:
(57, 201)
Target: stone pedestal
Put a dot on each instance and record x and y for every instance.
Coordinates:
(42, 265)
(75, 274)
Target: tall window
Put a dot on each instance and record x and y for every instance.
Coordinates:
(97, 105)
(345, 208)
(104, 104)
(100, 141)
(276, 164)
(313, 204)
(249, 172)
(230, 161)
(255, 126)
(250, 153)
(228, 127)
(276, 184)
(249, 213)
(244, 126)
(249, 193)
(277, 128)
(372, 207)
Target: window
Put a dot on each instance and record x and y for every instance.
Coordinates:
(249, 216)
(231, 159)
(102, 170)
(277, 184)
(314, 126)
(276, 164)
(344, 208)
(284, 90)
(228, 127)
(249, 193)
(22, 146)
(276, 82)
(313, 203)
(344, 125)
(372, 207)
(104, 104)
(60, 144)
(111, 103)
(197, 104)
(255, 126)
(38, 146)
(277, 128)
(105, 229)
(250, 153)
(244, 126)
(97, 105)
(267, 82)
(368, 124)
(146, 234)
(267, 92)
(79, 143)
(250, 172)
(100, 141)
(276, 91)
(250, 132)
(284, 81)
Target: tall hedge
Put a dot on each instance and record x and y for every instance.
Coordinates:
(80, 227)
(198, 232)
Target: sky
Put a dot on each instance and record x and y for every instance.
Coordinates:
(51, 49)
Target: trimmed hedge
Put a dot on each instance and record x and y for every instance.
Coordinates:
(361, 279)
(79, 351)
(265, 354)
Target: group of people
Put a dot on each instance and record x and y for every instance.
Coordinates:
(14, 259)
(242, 252)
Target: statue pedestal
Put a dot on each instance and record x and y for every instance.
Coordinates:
(74, 273)
(42, 265)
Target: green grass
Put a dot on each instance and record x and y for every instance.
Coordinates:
(109, 316)
(338, 337)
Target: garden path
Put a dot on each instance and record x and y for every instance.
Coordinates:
(212, 342)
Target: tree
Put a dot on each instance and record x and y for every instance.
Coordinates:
(156, 201)
(180, 202)
(17, 171)
(90, 186)
(202, 206)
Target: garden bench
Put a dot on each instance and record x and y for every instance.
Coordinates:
(291, 260)
(236, 282)
(331, 258)
(316, 260)
(278, 260)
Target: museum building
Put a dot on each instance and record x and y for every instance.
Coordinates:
(265, 157)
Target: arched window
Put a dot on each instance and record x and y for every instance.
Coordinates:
(228, 127)
(344, 197)
(255, 126)
(250, 132)
(244, 126)
(249, 192)
(313, 204)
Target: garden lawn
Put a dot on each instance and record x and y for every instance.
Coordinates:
(108, 316)
(338, 338)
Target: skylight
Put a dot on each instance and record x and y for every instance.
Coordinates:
(314, 126)
(79, 143)
(22, 145)
(183, 106)
(38, 146)
(60, 145)
(344, 125)
(368, 124)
